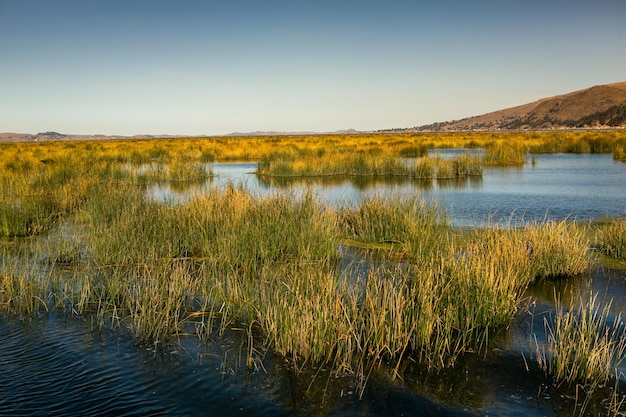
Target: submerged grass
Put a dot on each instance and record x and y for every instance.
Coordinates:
(23, 292)
(584, 345)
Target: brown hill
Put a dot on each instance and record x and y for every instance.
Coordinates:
(601, 106)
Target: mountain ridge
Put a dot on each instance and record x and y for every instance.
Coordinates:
(600, 106)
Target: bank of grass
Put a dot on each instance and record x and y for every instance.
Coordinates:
(273, 263)
(35, 194)
(42, 183)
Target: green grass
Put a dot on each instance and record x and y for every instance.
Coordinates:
(274, 261)
(611, 239)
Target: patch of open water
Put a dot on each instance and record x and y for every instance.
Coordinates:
(556, 186)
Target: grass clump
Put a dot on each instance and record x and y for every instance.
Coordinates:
(23, 290)
(503, 153)
(424, 169)
(557, 249)
(391, 220)
(584, 346)
(611, 239)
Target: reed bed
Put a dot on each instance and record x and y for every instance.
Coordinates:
(337, 164)
(271, 263)
(501, 153)
(348, 164)
(209, 149)
(234, 254)
(41, 182)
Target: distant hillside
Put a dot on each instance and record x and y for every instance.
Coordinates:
(54, 136)
(602, 106)
(27, 137)
(45, 136)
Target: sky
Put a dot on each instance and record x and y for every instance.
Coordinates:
(192, 67)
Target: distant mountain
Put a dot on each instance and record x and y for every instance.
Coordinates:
(55, 136)
(27, 137)
(601, 106)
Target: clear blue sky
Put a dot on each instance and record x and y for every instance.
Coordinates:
(213, 67)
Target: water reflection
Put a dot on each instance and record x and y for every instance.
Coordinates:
(556, 186)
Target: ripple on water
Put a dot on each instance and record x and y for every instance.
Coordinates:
(60, 367)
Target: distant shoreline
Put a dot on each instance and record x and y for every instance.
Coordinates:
(53, 136)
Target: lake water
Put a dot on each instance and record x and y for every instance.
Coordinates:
(60, 366)
(556, 186)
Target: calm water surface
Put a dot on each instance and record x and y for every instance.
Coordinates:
(557, 186)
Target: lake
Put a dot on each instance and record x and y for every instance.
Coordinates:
(556, 186)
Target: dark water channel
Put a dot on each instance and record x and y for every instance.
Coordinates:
(61, 366)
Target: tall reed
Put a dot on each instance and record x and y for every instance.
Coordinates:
(583, 344)
(557, 249)
(504, 153)
(394, 219)
(611, 239)
(23, 289)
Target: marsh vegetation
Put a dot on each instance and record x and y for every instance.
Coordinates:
(83, 238)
